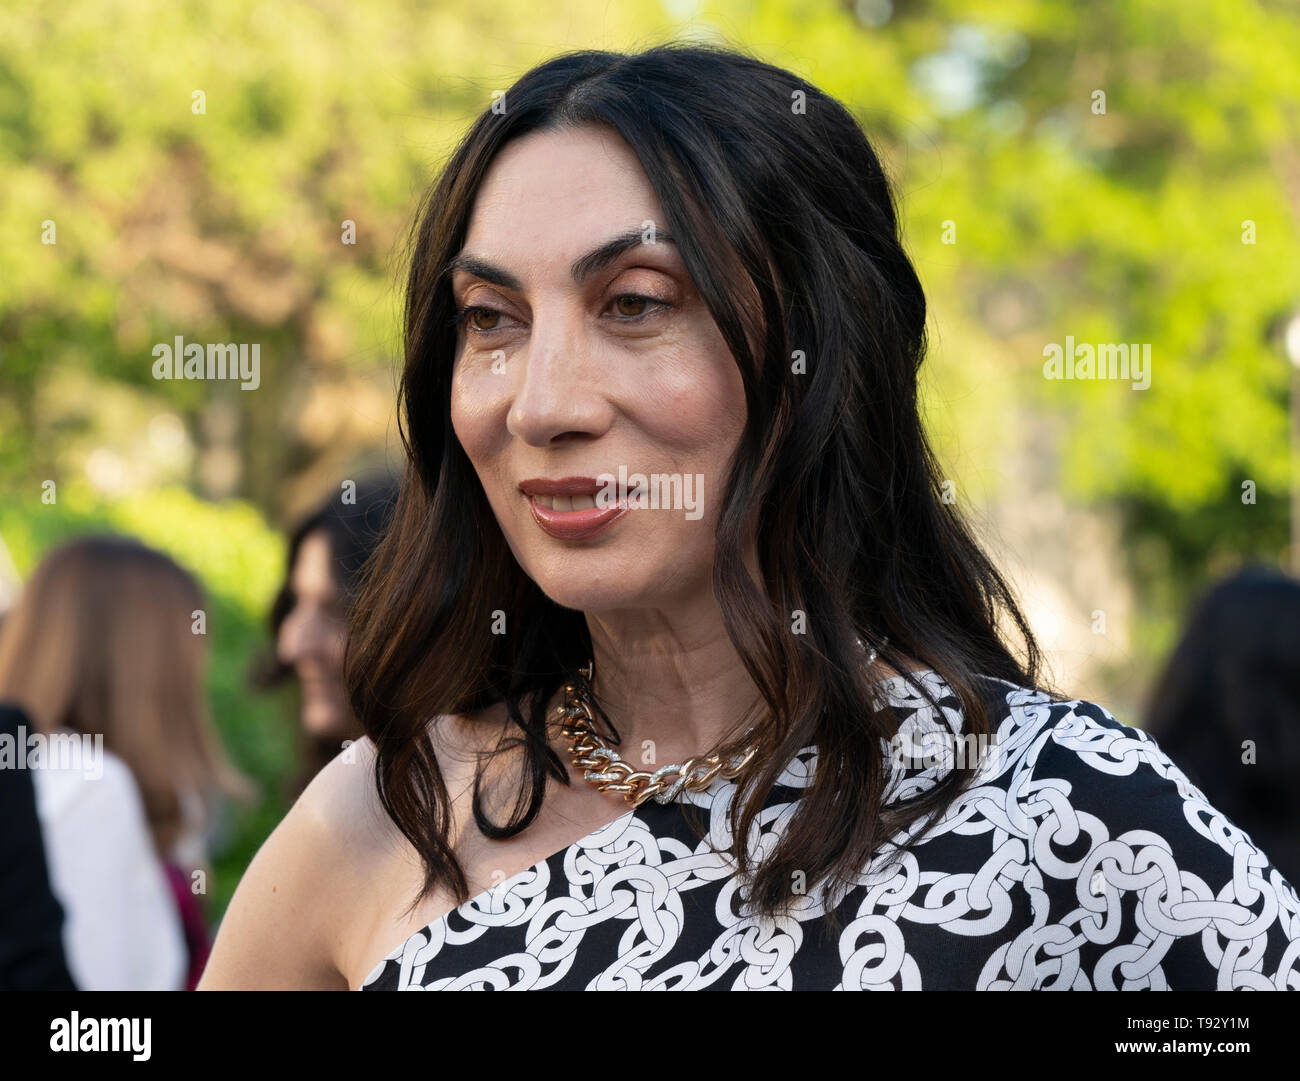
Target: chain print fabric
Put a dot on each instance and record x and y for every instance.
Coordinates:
(1080, 858)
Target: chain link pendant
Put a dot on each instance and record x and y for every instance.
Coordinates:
(604, 767)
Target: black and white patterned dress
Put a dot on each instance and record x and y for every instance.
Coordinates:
(1080, 858)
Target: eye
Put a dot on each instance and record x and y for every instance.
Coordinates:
(474, 316)
(620, 301)
(648, 306)
(470, 315)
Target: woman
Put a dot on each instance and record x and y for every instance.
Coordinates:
(327, 552)
(684, 264)
(103, 644)
(1227, 707)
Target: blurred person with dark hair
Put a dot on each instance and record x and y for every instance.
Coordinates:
(102, 644)
(1226, 708)
(31, 918)
(328, 551)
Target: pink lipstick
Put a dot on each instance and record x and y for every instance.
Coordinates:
(569, 525)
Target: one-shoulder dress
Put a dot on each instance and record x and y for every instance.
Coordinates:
(1079, 857)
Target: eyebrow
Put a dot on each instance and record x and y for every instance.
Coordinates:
(583, 267)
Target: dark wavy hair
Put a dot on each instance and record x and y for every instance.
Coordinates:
(1234, 677)
(787, 226)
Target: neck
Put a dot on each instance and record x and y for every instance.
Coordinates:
(670, 698)
(684, 693)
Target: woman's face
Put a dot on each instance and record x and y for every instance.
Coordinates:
(312, 639)
(564, 371)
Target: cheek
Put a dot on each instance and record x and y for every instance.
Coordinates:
(473, 406)
(692, 413)
(461, 414)
(478, 407)
(696, 398)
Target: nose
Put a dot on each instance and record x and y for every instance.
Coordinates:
(300, 636)
(560, 389)
(289, 640)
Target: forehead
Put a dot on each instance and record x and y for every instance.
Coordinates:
(561, 192)
(312, 568)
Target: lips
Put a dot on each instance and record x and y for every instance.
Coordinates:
(566, 508)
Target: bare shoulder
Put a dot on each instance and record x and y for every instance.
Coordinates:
(337, 869)
(286, 924)
(343, 799)
(343, 803)
(460, 738)
(344, 795)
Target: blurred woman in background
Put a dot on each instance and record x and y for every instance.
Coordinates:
(327, 551)
(1227, 707)
(107, 639)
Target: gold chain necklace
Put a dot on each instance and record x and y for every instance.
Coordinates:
(606, 770)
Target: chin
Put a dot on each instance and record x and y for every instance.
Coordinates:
(580, 581)
(326, 722)
(583, 597)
